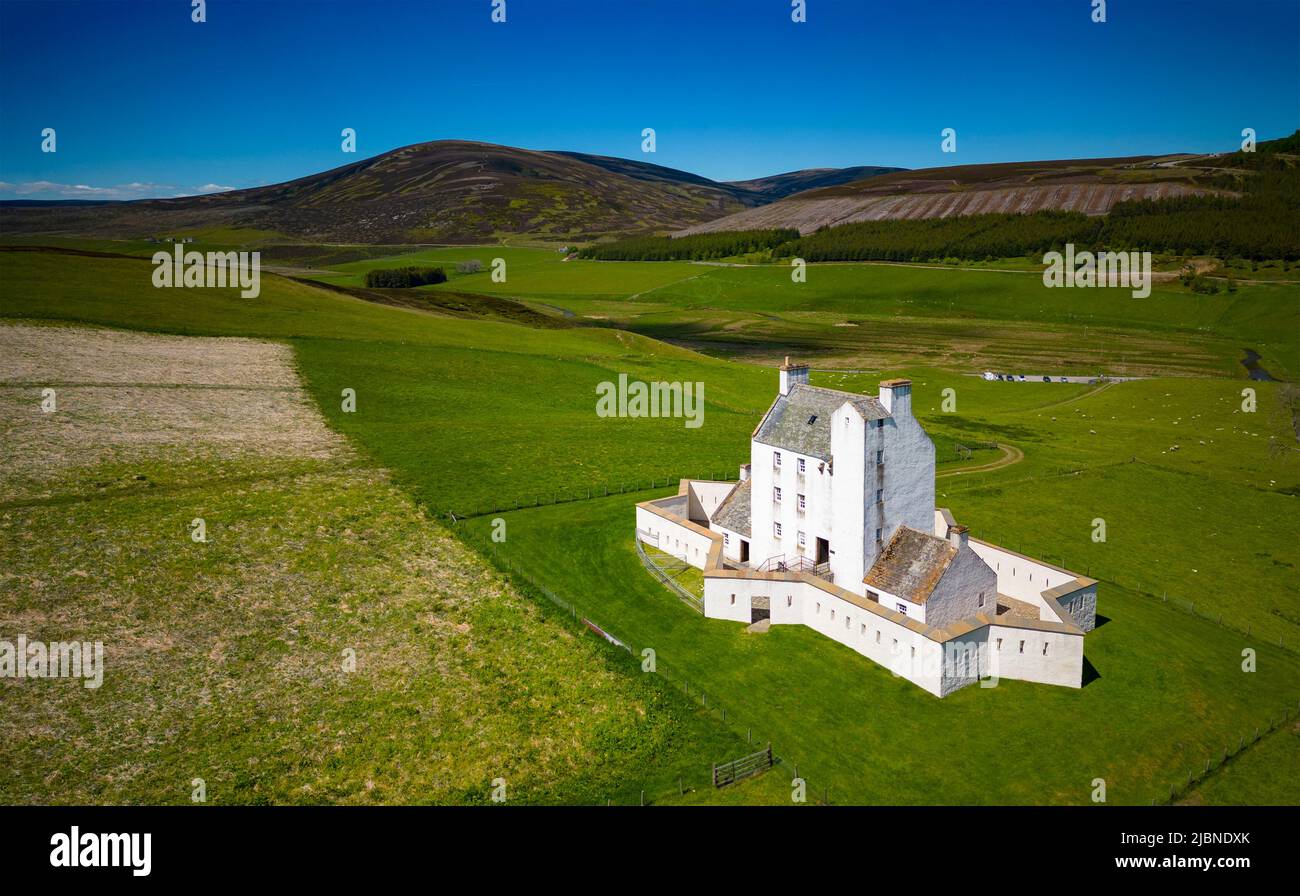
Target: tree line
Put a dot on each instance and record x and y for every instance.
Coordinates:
(404, 278)
(696, 247)
(1262, 223)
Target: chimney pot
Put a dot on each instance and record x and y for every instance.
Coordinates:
(958, 536)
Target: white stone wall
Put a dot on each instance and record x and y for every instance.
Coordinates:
(957, 594)
(762, 543)
(1020, 577)
(730, 542)
(704, 497)
(909, 466)
(677, 539)
(904, 652)
(815, 522)
(966, 660)
(1061, 664)
(853, 516)
(1082, 605)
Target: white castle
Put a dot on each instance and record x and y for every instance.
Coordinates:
(833, 526)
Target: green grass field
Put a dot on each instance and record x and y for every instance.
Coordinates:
(869, 737)
(1198, 496)
(888, 314)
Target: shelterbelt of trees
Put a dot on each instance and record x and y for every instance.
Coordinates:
(404, 278)
(1261, 222)
(697, 247)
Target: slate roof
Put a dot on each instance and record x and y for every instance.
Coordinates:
(733, 512)
(786, 424)
(911, 565)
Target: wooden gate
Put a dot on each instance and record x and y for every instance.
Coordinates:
(729, 772)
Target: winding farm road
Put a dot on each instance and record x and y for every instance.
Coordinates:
(1010, 455)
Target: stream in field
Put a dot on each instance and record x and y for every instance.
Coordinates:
(1251, 363)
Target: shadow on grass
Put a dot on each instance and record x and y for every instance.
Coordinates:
(1090, 673)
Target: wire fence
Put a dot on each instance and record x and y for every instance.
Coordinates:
(690, 598)
(1147, 589)
(1197, 775)
(648, 660)
(712, 706)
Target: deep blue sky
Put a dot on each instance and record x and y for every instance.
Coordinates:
(141, 96)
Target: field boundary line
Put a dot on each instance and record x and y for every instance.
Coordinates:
(180, 489)
(580, 619)
(1195, 779)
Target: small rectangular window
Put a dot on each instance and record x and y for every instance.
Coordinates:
(902, 608)
(880, 456)
(802, 463)
(776, 494)
(726, 538)
(776, 458)
(812, 419)
(877, 636)
(1044, 648)
(776, 529)
(864, 629)
(803, 502)
(1022, 646)
(789, 600)
(880, 534)
(981, 598)
(880, 495)
(803, 539)
(733, 599)
(999, 645)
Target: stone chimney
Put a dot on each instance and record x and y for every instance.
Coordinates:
(958, 536)
(896, 396)
(792, 375)
(744, 472)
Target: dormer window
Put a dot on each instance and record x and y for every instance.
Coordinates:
(812, 419)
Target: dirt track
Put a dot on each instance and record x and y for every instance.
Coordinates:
(1010, 455)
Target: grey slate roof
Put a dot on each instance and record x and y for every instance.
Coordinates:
(911, 564)
(786, 423)
(733, 512)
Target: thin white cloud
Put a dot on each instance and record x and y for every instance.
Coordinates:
(46, 189)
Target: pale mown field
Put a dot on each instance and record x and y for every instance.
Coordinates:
(226, 660)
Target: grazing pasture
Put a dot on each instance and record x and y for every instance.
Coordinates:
(470, 415)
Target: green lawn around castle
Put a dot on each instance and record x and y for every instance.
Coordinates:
(1197, 495)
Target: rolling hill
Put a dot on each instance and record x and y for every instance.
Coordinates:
(1091, 186)
(446, 191)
